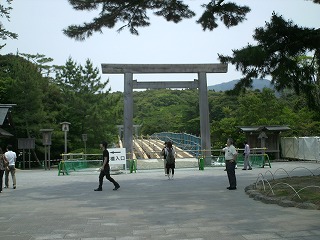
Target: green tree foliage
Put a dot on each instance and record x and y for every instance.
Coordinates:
(178, 111)
(167, 110)
(217, 103)
(87, 107)
(22, 84)
(134, 14)
(77, 95)
(52, 97)
(296, 114)
(223, 129)
(227, 113)
(255, 108)
(5, 9)
(280, 52)
(42, 62)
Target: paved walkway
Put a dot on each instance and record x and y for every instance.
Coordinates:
(195, 205)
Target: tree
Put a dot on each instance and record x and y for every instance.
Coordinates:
(5, 13)
(134, 14)
(51, 95)
(281, 52)
(260, 108)
(296, 114)
(42, 62)
(86, 106)
(167, 110)
(23, 85)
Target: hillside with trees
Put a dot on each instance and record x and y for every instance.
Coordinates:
(178, 111)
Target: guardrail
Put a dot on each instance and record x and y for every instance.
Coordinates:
(80, 161)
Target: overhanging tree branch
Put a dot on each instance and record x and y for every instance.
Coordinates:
(281, 50)
(134, 14)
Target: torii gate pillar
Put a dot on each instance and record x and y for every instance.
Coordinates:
(204, 115)
(128, 114)
(129, 84)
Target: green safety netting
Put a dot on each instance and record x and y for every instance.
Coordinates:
(258, 160)
(77, 165)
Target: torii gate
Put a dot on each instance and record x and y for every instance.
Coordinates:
(129, 84)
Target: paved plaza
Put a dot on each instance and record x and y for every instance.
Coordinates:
(195, 205)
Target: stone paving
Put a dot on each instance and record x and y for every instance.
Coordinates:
(195, 205)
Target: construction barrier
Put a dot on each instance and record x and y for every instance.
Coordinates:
(201, 163)
(133, 165)
(258, 160)
(62, 169)
(65, 167)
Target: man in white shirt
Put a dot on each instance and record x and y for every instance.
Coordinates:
(11, 158)
(230, 154)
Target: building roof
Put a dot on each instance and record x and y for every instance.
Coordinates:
(4, 133)
(5, 114)
(274, 128)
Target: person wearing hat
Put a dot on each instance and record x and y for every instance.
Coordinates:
(105, 169)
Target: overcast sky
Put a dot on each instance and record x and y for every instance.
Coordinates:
(39, 24)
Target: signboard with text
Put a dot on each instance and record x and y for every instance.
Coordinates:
(117, 156)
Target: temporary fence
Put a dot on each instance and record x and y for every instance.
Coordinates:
(301, 148)
(83, 162)
(78, 162)
(87, 162)
(256, 160)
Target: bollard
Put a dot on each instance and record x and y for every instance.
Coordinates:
(201, 164)
(133, 166)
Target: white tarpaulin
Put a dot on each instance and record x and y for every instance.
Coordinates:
(303, 148)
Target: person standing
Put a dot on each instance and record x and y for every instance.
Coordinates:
(105, 169)
(164, 158)
(11, 158)
(3, 165)
(230, 154)
(246, 153)
(170, 160)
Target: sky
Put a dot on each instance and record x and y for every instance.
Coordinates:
(39, 24)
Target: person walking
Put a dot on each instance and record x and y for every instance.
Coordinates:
(3, 165)
(164, 158)
(105, 169)
(246, 153)
(11, 158)
(230, 154)
(170, 160)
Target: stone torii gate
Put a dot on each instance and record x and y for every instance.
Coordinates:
(129, 84)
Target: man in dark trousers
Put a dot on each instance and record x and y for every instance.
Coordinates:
(105, 169)
(231, 161)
